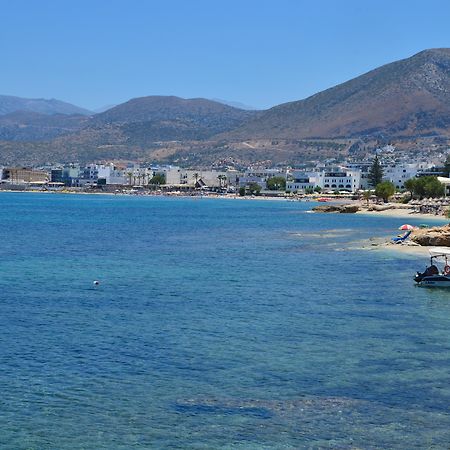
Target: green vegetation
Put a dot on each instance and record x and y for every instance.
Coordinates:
(250, 189)
(158, 179)
(375, 172)
(276, 184)
(384, 190)
(318, 189)
(254, 189)
(425, 187)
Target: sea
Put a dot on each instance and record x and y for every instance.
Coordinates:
(215, 324)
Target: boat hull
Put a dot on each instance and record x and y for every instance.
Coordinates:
(441, 281)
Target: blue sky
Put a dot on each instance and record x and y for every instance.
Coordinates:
(261, 53)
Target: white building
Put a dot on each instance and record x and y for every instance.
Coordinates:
(338, 178)
(300, 181)
(259, 176)
(398, 174)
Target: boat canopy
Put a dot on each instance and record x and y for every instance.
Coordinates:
(440, 251)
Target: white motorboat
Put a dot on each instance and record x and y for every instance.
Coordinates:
(433, 276)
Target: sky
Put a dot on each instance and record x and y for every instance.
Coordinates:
(258, 52)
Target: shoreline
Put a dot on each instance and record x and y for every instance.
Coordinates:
(402, 213)
(395, 211)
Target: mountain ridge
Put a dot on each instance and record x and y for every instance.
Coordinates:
(403, 101)
(10, 104)
(365, 105)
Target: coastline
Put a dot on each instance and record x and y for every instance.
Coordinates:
(402, 213)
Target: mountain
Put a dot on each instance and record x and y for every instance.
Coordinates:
(10, 104)
(406, 102)
(196, 111)
(406, 98)
(34, 126)
(146, 120)
(235, 104)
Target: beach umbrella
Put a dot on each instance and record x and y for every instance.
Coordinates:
(406, 226)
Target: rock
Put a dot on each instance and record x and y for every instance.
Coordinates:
(382, 207)
(345, 209)
(349, 209)
(436, 236)
(327, 208)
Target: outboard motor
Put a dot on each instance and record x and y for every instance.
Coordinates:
(429, 272)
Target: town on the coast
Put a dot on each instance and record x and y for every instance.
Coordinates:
(388, 173)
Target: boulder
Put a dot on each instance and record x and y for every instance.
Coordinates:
(436, 236)
(345, 209)
(327, 208)
(349, 209)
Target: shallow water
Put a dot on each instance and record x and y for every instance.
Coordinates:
(216, 324)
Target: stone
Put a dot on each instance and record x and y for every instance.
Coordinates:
(344, 209)
(435, 236)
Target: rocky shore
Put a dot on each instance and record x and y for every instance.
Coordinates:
(343, 209)
(435, 236)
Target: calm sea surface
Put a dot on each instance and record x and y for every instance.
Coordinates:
(217, 324)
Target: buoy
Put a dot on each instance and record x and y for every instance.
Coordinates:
(96, 282)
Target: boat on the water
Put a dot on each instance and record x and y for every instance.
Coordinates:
(433, 276)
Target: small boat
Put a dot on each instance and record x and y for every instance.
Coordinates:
(433, 276)
(323, 199)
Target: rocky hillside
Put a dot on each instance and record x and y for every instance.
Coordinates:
(406, 102)
(406, 98)
(145, 120)
(33, 126)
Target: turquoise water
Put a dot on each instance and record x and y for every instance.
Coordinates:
(216, 324)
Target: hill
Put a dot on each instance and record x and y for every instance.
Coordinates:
(33, 126)
(10, 104)
(150, 119)
(406, 102)
(406, 98)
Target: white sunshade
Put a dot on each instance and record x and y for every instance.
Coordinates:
(440, 251)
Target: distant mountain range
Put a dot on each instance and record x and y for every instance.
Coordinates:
(10, 104)
(406, 101)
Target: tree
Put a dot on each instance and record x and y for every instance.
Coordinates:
(375, 172)
(222, 180)
(196, 177)
(254, 188)
(242, 191)
(276, 184)
(410, 185)
(318, 189)
(425, 187)
(433, 187)
(159, 178)
(384, 190)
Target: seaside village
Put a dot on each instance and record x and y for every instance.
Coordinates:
(346, 179)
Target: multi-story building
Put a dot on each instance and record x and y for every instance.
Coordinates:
(338, 178)
(300, 181)
(24, 175)
(259, 176)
